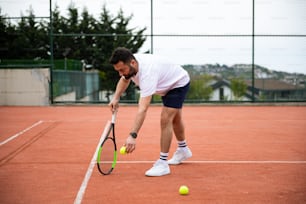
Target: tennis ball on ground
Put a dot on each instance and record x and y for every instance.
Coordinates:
(184, 190)
(123, 150)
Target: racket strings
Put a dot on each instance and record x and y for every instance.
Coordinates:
(107, 153)
(106, 156)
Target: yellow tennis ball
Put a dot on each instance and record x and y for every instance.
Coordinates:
(184, 190)
(123, 150)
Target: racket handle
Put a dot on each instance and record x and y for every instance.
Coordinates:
(114, 116)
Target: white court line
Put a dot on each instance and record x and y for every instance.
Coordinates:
(79, 197)
(224, 162)
(217, 162)
(20, 133)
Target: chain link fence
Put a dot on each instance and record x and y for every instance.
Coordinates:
(225, 65)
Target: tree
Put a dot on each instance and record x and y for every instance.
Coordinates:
(200, 88)
(4, 35)
(78, 37)
(120, 36)
(238, 87)
(25, 40)
(85, 37)
(94, 40)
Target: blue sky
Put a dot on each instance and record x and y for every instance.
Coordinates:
(205, 17)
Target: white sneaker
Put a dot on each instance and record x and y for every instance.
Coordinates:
(160, 168)
(180, 155)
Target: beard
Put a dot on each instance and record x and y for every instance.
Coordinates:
(131, 73)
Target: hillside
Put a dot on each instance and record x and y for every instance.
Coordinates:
(245, 71)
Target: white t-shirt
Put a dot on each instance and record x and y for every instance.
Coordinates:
(157, 76)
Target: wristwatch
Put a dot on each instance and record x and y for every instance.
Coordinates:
(134, 135)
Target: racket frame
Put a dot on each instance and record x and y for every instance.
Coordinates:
(106, 135)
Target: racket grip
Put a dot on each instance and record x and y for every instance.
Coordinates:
(114, 117)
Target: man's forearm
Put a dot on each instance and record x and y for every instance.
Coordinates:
(141, 114)
(139, 119)
(122, 85)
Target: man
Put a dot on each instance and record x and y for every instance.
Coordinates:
(154, 75)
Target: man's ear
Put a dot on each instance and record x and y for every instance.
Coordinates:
(133, 62)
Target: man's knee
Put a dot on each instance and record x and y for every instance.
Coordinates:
(167, 116)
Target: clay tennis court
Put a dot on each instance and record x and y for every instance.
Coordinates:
(241, 154)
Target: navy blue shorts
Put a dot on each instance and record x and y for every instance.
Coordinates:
(175, 97)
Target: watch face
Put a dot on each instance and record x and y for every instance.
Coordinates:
(133, 134)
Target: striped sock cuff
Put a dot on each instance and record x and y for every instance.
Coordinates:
(182, 144)
(163, 156)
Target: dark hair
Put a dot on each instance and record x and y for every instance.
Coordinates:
(121, 54)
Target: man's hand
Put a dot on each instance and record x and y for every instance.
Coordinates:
(130, 144)
(114, 105)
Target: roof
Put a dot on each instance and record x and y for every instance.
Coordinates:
(271, 84)
(221, 82)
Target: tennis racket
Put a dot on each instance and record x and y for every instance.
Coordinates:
(107, 153)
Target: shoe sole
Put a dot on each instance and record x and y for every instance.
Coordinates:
(157, 175)
(177, 163)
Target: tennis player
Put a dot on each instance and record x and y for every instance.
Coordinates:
(154, 75)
